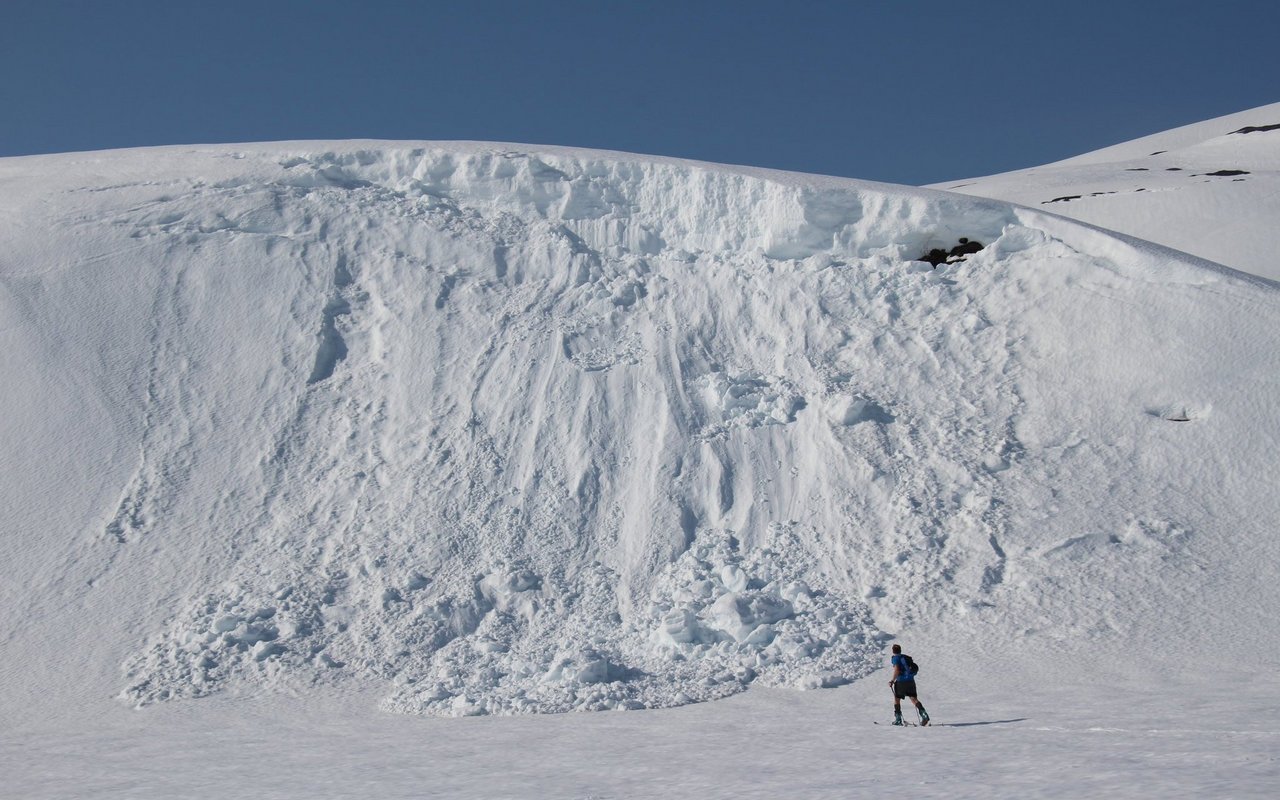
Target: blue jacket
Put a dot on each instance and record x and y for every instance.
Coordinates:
(905, 676)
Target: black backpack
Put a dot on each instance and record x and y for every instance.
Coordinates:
(912, 666)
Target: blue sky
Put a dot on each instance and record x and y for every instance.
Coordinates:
(908, 92)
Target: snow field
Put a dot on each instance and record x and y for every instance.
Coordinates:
(497, 431)
(1056, 738)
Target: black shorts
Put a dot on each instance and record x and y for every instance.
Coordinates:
(904, 689)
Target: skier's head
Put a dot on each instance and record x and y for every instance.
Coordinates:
(897, 649)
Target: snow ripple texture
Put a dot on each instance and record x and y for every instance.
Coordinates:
(510, 431)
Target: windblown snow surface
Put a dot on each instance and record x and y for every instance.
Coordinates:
(461, 429)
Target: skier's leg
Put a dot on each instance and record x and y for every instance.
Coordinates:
(924, 715)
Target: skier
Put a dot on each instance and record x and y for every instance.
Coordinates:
(903, 685)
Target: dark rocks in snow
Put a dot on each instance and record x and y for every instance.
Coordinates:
(1227, 173)
(1257, 128)
(1068, 198)
(938, 256)
(935, 256)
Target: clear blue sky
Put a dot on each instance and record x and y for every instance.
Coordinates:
(909, 92)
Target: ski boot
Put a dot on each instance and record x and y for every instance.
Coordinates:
(897, 718)
(924, 717)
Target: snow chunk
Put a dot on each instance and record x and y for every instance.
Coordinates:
(747, 401)
(740, 616)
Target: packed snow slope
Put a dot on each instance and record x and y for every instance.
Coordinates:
(497, 429)
(1211, 189)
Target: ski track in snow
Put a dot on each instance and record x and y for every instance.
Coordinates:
(504, 431)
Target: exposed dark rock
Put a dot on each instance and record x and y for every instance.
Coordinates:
(935, 256)
(965, 248)
(938, 256)
(1257, 128)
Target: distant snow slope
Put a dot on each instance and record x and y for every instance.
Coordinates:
(1211, 189)
(495, 429)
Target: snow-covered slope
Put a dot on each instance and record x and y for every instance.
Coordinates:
(492, 429)
(1211, 189)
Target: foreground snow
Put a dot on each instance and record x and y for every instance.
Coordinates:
(1140, 736)
(293, 432)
